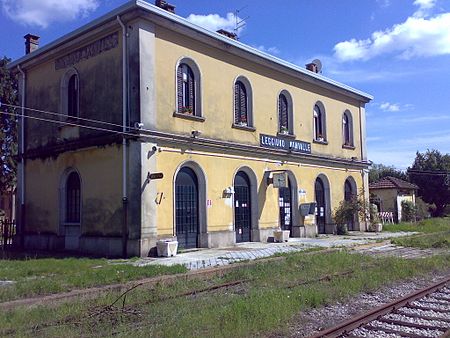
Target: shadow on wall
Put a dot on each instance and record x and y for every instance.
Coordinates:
(262, 193)
(98, 217)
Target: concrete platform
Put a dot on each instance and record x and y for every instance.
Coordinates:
(206, 258)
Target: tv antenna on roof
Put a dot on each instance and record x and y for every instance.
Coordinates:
(239, 23)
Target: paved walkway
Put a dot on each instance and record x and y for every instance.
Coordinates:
(205, 258)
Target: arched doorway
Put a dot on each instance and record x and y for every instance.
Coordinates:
(319, 190)
(186, 208)
(350, 195)
(242, 207)
(285, 203)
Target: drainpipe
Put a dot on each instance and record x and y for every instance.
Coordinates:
(124, 141)
(21, 226)
(363, 171)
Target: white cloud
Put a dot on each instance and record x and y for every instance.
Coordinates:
(214, 22)
(43, 12)
(425, 7)
(269, 50)
(390, 107)
(418, 36)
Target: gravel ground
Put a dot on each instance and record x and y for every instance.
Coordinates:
(310, 321)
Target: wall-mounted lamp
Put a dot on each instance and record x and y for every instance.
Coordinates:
(228, 192)
(195, 133)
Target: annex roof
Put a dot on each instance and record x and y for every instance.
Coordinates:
(390, 182)
(147, 7)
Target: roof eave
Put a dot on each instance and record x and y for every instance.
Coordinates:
(362, 96)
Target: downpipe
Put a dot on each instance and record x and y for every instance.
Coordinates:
(124, 141)
(21, 228)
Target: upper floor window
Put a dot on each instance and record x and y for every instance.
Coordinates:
(285, 115)
(70, 93)
(73, 198)
(319, 123)
(347, 129)
(188, 88)
(72, 96)
(243, 103)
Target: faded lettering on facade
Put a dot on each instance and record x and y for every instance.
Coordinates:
(91, 50)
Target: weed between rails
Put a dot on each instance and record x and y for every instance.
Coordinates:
(242, 303)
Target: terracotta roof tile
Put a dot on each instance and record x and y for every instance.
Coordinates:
(390, 182)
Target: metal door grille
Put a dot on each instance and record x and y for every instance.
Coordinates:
(320, 208)
(186, 215)
(285, 205)
(242, 212)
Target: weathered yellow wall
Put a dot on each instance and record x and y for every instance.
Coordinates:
(218, 73)
(100, 170)
(220, 174)
(100, 81)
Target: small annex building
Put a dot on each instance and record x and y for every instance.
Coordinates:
(142, 126)
(389, 192)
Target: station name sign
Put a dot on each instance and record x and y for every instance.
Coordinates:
(281, 143)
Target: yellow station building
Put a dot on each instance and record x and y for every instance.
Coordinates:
(142, 126)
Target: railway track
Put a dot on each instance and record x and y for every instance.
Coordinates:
(424, 313)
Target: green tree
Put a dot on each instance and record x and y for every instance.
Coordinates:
(378, 171)
(8, 127)
(430, 172)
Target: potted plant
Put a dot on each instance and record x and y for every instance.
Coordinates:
(284, 130)
(320, 138)
(187, 110)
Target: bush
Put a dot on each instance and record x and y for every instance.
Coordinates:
(408, 211)
(344, 214)
(422, 209)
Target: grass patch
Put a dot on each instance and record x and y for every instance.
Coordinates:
(427, 226)
(34, 277)
(273, 294)
(430, 240)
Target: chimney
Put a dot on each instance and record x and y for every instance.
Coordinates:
(227, 34)
(312, 67)
(31, 43)
(165, 5)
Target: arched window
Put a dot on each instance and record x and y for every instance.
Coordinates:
(72, 96)
(70, 93)
(283, 114)
(186, 89)
(73, 198)
(347, 129)
(319, 123)
(242, 103)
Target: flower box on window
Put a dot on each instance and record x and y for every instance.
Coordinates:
(284, 130)
(186, 110)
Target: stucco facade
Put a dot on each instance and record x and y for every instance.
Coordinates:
(128, 126)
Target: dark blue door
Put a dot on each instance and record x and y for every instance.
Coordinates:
(242, 207)
(320, 206)
(186, 205)
(285, 204)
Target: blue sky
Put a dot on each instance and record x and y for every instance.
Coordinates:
(396, 50)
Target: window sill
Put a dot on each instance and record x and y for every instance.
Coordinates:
(189, 117)
(347, 146)
(292, 136)
(324, 142)
(247, 128)
(71, 224)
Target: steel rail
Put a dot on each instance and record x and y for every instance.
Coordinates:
(355, 322)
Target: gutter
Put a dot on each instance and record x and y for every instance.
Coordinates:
(312, 77)
(124, 141)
